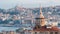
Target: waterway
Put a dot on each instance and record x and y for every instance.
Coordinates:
(8, 28)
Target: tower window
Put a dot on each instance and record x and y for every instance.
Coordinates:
(42, 32)
(35, 32)
(56, 32)
(51, 32)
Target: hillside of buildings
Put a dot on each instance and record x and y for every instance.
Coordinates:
(21, 15)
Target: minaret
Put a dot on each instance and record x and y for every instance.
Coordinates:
(42, 19)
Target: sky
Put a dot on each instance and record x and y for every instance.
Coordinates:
(6, 4)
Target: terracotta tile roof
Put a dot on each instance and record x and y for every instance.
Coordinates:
(47, 29)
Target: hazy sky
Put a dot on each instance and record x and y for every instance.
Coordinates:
(27, 3)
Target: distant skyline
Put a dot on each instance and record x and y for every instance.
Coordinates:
(6, 4)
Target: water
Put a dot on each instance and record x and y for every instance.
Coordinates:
(8, 29)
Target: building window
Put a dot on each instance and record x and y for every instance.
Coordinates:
(42, 32)
(56, 32)
(46, 32)
(29, 33)
(22, 32)
(35, 32)
(51, 32)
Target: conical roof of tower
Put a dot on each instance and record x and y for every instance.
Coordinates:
(41, 14)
